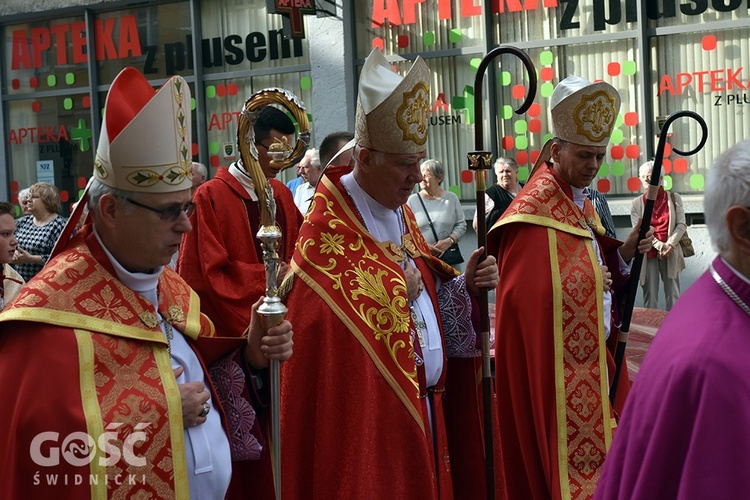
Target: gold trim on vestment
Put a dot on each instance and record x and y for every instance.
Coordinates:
(91, 409)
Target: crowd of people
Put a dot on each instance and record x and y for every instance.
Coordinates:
(162, 371)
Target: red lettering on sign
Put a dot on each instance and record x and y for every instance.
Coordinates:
(716, 79)
(683, 80)
(130, 44)
(58, 31)
(39, 135)
(105, 45)
(40, 42)
(78, 32)
(500, 6)
(385, 9)
(440, 103)
(666, 85)
(410, 10)
(468, 8)
(20, 56)
(445, 9)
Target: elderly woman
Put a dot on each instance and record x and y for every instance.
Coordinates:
(665, 259)
(499, 197)
(38, 231)
(438, 212)
(24, 201)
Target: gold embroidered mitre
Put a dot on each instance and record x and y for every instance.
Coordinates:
(393, 112)
(145, 143)
(582, 113)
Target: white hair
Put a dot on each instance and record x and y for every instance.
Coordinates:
(202, 170)
(24, 193)
(645, 168)
(727, 185)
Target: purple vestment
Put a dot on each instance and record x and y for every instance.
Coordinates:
(685, 429)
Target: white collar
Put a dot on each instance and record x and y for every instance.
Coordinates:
(244, 179)
(382, 222)
(579, 195)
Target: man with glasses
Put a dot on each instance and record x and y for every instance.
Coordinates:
(103, 354)
(221, 259)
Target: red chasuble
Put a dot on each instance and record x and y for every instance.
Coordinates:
(218, 258)
(354, 415)
(551, 359)
(98, 366)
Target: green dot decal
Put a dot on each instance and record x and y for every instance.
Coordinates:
(618, 168)
(617, 136)
(604, 170)
(667, 182)
(521, 127)
(474, 63)
(506, 112)
(523, 174)
(455, 190)
(455, 35)
(80, 193)
(213, 148)
(68, 103)
(620, 120)
(546, 57)
(18, 211)
(305, 83)
(629, 68)
(546, 89)
(697, 181)
(51, 81)
(70, 78)
(547, 137)
(522, 142)
(210, 92)
(504, 78)
(193, 103)
(428, 38)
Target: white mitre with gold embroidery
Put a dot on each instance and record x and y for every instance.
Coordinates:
(582, 113)
(145, 143)
(392, 112)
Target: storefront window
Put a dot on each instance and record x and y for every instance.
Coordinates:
(240, 35)
(47, 55)
(403, 27)
(679, 13)
(50, 140)
(224, 102)
(705, 72)
(156, 40)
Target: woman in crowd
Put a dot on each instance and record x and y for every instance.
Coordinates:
(23, 201)
(665, 260)
(38, 231)
(438, 212)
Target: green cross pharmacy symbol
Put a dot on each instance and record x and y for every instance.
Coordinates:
(83, 134)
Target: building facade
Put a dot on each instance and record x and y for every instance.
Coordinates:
(60, 56)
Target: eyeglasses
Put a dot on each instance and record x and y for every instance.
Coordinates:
(169, 214)
(261, 144)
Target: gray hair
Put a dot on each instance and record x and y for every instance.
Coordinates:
(727, 185)
(24, 193)
(99, 189)
(434, 167)
(645, 168)
(504, 160)
(201, 169)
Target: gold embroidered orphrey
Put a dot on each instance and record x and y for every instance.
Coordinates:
(595, 115)
(413, 114)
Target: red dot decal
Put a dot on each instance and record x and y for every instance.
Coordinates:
(378, 43)
(522, 158)
(15, 83)
(232, 89)
(680, 165)
(64, 196)
(221, 90)
(634, 184)
(507, 142)
(403, 41)
(547, 73)
(535, 155)
(603, 186)
(633, 151)
(36, 106)
(467, 176)
(86, 101)
(194, 151)
(535, 126)
(215, 162)
(631, 119)
(667, 149)
(14, 185)
(709, 42)
(33, 82)
(81, 182)
(617, 152)
(535, 109)
(613, 69)
(666, 166)
(519, 91)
